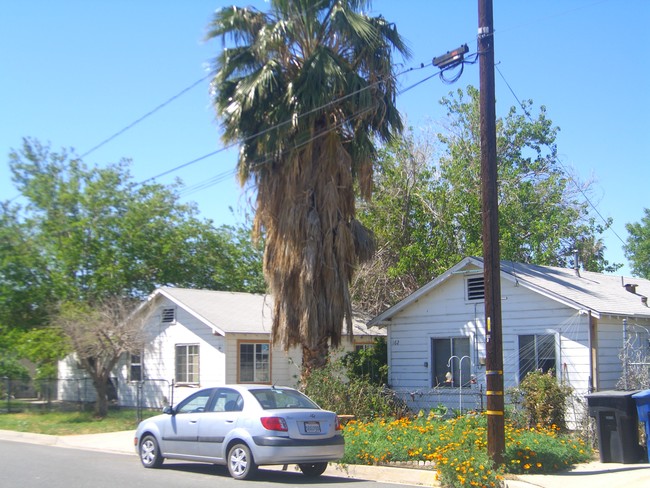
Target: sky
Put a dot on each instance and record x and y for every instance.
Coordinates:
(116, 79)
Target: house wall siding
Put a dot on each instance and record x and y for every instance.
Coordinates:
(444, 312)
(218, 361)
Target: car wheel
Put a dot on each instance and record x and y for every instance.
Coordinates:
(312, 469)
(150, 452)
(241, 464)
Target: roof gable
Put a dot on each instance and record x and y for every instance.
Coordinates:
(602, 294)
(239, 313)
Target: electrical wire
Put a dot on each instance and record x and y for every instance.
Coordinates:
(559, 160)
(148, 114)
(288, 121)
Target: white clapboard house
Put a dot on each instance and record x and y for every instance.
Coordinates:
(573, 322)
(197, 338)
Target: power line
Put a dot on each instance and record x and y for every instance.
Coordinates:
(559, 160)
(288, 121)
(223, 176)
(148, 114)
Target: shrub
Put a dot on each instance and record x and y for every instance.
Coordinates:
(544, 400)
(333, 389)
(370, 363)
(542, 450)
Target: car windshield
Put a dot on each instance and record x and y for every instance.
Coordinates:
(278, 398)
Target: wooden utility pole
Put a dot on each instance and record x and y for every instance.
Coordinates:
(490, 219)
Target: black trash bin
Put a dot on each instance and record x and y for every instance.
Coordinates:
(617, 425)
(642, 400)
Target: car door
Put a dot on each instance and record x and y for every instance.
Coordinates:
(225, 410)
(181, 432)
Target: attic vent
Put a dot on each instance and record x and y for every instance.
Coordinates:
(168, 315)
(475, 288)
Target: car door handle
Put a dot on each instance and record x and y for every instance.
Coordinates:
(193, 421)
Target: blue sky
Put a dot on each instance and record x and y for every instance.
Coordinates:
(75, 72)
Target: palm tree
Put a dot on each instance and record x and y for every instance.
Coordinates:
(307, 89)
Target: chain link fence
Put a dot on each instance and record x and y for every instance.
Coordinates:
(57, 394)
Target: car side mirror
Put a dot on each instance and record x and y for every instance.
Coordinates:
(169, 410)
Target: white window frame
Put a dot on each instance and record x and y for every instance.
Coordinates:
(187, 373)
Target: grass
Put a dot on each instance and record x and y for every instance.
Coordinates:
(69, 423)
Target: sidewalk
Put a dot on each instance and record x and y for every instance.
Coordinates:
(593, 475)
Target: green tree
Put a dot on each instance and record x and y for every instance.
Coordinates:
(87, 235)
(426, 209)
(26, 292)
(307, 89)
(403, 219)
(637, 247)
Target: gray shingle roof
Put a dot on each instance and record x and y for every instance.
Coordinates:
(243, 313)
(602, 293)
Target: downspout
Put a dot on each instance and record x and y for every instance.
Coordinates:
(625, 354)
(593, 353)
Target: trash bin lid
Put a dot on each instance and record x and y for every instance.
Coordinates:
(613, 399)
(642, 397)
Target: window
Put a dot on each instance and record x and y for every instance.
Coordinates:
(475, 288)
(187, 363)
(228, 400)
(536, 352)
(135, 368)
(195, 403)
(254, 362)
(458, 371)
(168, 315)
(362, 347)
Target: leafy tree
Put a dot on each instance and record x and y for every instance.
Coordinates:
(25, 288)
(10, 366)
(307, 89)
(43, 346)
(637, 247)
(88, 235)
(403, 219)
(99, 335)
(426, 210)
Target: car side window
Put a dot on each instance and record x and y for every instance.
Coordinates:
(228, 400)
(195, 403)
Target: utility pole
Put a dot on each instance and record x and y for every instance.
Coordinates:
(490, 234)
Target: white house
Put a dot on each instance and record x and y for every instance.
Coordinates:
(197, 338)
(552, 318)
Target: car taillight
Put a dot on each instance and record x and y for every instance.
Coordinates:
(337, 424)
(274, 423)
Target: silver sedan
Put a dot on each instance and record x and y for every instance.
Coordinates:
(243, 427)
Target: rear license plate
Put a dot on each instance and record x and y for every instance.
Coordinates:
(312, 427)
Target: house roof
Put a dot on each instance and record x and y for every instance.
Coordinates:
(599, 293)
(241, 313)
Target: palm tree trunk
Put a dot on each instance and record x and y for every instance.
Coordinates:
(313, 358)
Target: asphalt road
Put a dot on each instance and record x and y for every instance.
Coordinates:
(34, 466)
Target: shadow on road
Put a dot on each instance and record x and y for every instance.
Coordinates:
(263, 475)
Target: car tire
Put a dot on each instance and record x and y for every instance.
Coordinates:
(312, 470)
(149, 451)
(241, 464)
